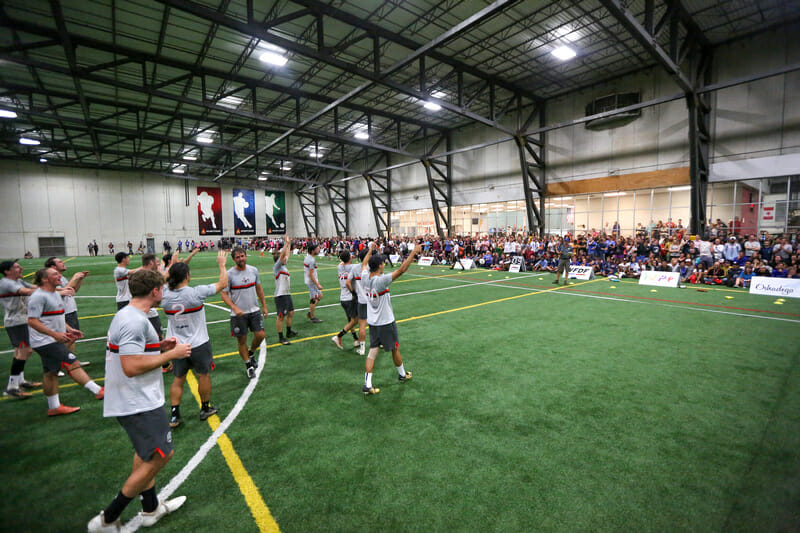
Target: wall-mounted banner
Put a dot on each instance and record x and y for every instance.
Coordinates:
(209, 210)
(275, 209)
(244, 212)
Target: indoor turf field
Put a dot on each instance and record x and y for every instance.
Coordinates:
(595, 406)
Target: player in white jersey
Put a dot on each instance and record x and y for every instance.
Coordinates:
(70, 307)
(361, 297)
(186, 321)
(50, 335)
(121, 274)
(134, 357)
(312, 281)
(380, 316)
(242, 295)
(347, 298)
(14, 292)
(284, 306)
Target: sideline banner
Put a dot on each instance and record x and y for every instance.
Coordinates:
(581, 272)
(659, 279)
(209, 210)
(425, 261)
(394, 258)
(275, 210)
(464, 264)
(244, 211)
(780, 287)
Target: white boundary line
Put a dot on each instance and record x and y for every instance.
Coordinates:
(175, 483)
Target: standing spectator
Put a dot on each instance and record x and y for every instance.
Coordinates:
(751, 246)
(731, 249)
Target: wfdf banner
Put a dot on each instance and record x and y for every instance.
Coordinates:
(275, 209)
(244, 211)
(209, 210)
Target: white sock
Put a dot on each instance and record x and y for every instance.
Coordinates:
(401, 370)
(14, 381)
(21, 378)
(93, 387)
(368, 379)
(53, 402)
(362, 344)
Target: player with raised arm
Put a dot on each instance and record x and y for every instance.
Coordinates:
(14, 292)
(361, 306)
(380, 316)
(186, 321)
(284, 306)
(347, 298)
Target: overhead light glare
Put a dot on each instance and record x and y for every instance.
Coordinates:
(205, 140)
(273, 58)
(362, 135)
(621, 193)
(29, 142)
(178, 170)
(42, 160)
(5, 113)
(432, 106)
(564, 53)
(189, 158)
(682, 188)
(262, 178)
(286, 167)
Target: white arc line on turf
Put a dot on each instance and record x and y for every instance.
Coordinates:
(175, 483)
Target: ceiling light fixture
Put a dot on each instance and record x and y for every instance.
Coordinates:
(178, 170)
(362, 135)
(262, 178)
(189, 158)
(682, 188)
(615, 194)
(29, 142)
(42, 160)
(564, 53)
(273, 58)
(432, 106)
(5, 113)
(205, 140)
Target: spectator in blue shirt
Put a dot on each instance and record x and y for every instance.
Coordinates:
(743, 280)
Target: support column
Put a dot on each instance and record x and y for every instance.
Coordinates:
(308, 208)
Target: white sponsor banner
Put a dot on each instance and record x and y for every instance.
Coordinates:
(581, 272)
(465, 264)
(425, 261)
(514, 268)
(780, 287)
(659, 279)
(394, 258)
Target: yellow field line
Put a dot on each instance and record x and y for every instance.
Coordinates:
(248, 488)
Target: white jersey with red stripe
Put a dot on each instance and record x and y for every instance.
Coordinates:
(130, 333)
(309, 266)
(49, 308)
(357, 285)
(379, 301)
(121, 279)
(186, 314)
(69, 301)
(282, 276)
(344, 273)
(14, 303)
(242, 288)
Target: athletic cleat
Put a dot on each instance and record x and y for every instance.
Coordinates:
(251, 372)
(16, 393)
(407, 377)
(85, 363)
(175, 421)
(361, 350)
(163, 509)
(62, 410)
(369, 390)
(30, 385)
(291, 334)
(356, 344)
(284, 341)
(98, 524)
(337, 340)
(212, 410)
(166, 368)
(315, 320)
(100, 395)
(555, 282)
(61, 373)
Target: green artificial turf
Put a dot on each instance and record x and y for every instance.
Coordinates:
(594, 407)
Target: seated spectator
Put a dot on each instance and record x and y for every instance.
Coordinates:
(28, 255)
(792, 273)
(540, 265)
(715, 275)
(780, 271)
(740, 260)
(744, 277)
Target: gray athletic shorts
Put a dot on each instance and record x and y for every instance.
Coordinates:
(120, 305)
(284, 305)
(55, 356)
(149, 432)
(313, 291)
(201, 360)
(563, 266)
(251, 321)
(156, 321)
(350, 308)
(385, 335)
(72, 320)
(362, 311)
(18, 335)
